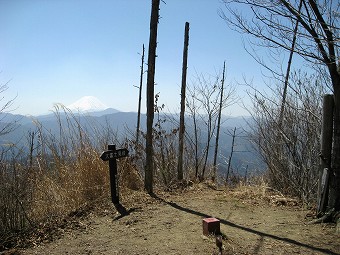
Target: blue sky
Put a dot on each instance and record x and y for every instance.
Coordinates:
(58, 51)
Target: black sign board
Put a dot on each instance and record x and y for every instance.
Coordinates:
(110, 154)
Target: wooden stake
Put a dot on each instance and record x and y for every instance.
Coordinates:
(325, 152)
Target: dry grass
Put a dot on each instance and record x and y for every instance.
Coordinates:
(74, 185)
(258, 191)
(55, 175)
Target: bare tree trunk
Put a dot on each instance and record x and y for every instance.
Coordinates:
(31, 139)
(219, 123)
(196, 145)
(181, 122)
(148, 184)
(209, 136)
(140, 96)
(284, 94)
(193, 137)
(231, 155)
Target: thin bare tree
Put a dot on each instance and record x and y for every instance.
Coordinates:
(219, 123)
(286, 81)
(231, 154)
(140, 97)
(183, 88)
(204, 106)
(193, 108)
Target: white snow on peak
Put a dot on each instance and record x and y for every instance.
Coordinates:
(87, 104)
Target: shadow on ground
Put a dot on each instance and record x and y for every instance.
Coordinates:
(262, 235)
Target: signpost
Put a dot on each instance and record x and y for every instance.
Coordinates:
(112, 155)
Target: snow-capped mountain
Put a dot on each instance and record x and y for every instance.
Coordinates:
(87, 104)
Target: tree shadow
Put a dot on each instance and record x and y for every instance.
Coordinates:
(122, 211)
(250, 230)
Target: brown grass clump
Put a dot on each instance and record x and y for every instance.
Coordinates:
(73, 185)
(260, 192)
(129, 176)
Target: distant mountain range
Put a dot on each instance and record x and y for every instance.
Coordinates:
(123, 124)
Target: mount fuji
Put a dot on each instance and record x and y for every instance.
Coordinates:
(87, 104)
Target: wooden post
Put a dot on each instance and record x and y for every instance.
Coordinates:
(325, 152)
(112, 155)
(113, 176)
(181, 122)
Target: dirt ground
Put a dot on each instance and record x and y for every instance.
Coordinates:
(171, 223)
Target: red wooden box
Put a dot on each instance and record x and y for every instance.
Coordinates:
(211, 226)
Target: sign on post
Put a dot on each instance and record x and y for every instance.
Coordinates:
(112, 155)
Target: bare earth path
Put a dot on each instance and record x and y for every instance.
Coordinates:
(172, 224)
